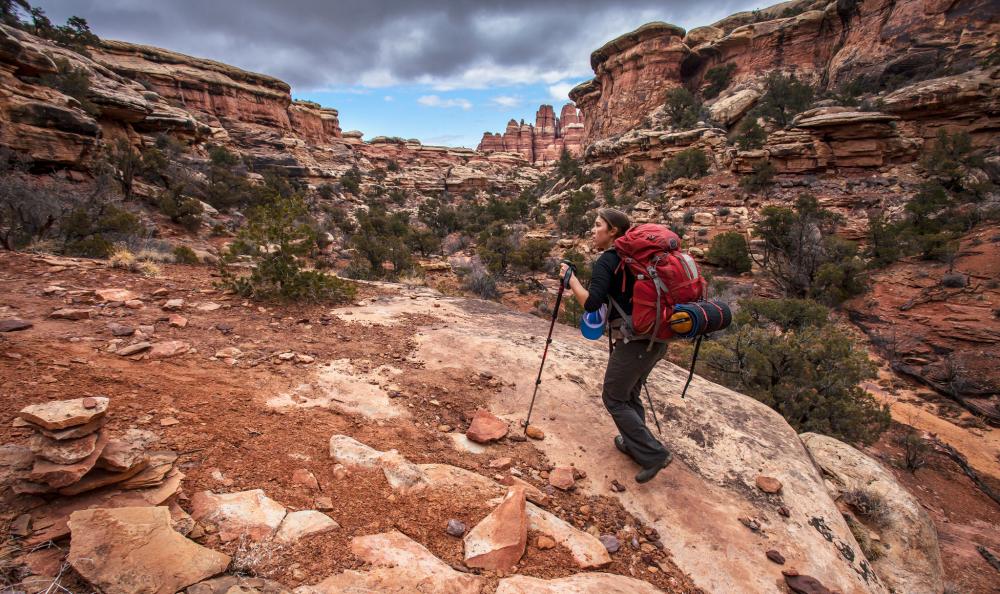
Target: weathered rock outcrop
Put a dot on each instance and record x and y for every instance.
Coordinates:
(832, 137)
(722, 442)
(134, 549)
(398, 565)
(909, 558)
(544, 142)
(946, 337)
(826, 43)
(632, 76)
(138, 91)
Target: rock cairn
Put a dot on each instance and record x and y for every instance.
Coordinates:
(72, 460)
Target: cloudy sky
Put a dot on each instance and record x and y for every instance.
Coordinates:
(438, 70)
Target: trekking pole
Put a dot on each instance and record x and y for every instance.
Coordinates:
(694, 358)
(548, 341)
(652, 409)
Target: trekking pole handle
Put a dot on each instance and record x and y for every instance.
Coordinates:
(569, 272)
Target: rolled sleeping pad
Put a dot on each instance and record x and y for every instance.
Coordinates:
(699, 318)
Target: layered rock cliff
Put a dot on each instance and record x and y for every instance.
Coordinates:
(544, 142)
(827, 43)
(137, 92)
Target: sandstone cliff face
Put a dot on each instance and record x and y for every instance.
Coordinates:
(947, 337)
(139, 91)
(632, 76)
(544, 142)
(827, 43)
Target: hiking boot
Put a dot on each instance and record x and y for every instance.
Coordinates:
(646, 474)
(620, 444)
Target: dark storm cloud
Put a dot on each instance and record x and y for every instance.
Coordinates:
(314, 44)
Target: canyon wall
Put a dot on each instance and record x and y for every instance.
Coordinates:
(827, 43)
(137, 92)
(545, 141)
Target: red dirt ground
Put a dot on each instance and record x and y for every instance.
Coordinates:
(225, 426)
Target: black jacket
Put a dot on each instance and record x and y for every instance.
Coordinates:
(605, 282)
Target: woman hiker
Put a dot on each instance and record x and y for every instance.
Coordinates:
(629, 363)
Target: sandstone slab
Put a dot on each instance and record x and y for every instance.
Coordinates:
(123, 453)
(99, 477)
(581, 583)
(68, 451)
(70, 314)
(134, 550)
(117, 329)
(62, 475)
(250, 513)
(157, 470)
(400, 565)
(731, 108)
(14, 325)
(402, 475)
(62, 434)
(486, 427)
(498, 541)
(300, 524)
(121, 295)
(588, 552)
(134, 349)
(51, 521)
(307, 479)
(768, 484)
(62, 414)
(173, 304)
(561, 478)
(231, 584)
(168, 348)
(911, 557)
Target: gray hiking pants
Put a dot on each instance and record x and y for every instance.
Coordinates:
(628, 367)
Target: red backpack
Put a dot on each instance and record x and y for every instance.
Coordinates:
(664, 277)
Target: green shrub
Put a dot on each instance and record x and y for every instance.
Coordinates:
(350, 181)
(424, 241)
(75, 34)
(915, 450)
(630, 174)
(583, 267)
(718, 78)
(185, 255)
(682, 108)
(803, 255)
(496, 247)
(125, 163)
(326, 191)
(760, 178)
(532, 254)
(750, 134)
(183, 210)
(228, 185)
(729, 251)
(691, 163)
(72, 81)
(784, 97)
(568, 167)
(869, 506)
(809, 374)
(481, 283)
(884, 246)
(574, 219)
(277, 235)
(784, 314)
(381, 238)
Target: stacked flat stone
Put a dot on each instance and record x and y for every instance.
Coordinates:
(74, 454)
